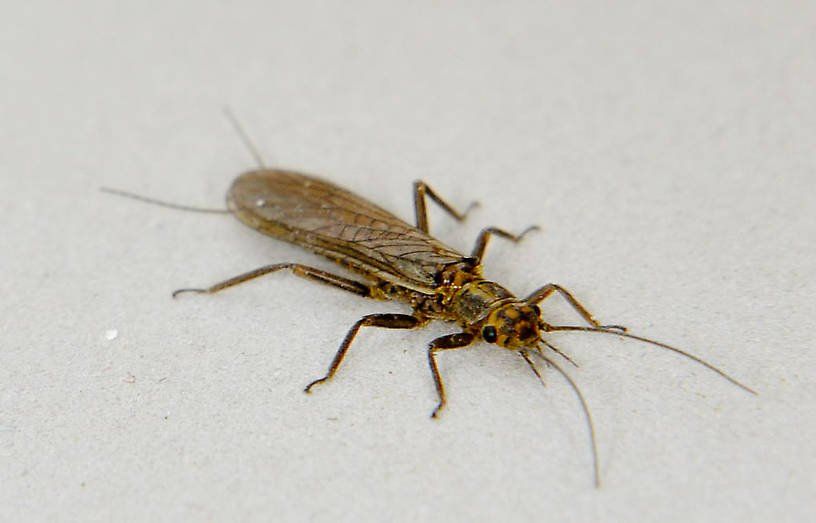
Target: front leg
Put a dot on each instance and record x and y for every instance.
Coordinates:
(545, 291)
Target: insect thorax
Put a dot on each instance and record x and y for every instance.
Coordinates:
(474, 302)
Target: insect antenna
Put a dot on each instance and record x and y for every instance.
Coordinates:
(246, 141)
(688, 355)
(161, 203)
(590, 425)
(244, 137)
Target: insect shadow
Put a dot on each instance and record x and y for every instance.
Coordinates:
(399, 261)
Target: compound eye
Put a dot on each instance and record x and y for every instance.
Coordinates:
(537, 310)
(489, 334)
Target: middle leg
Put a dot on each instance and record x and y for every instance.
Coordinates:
(484, 236)
(421, 190)
(387, 321)
(449, 342)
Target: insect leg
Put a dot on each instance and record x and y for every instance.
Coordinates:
(451, 341)
(545, 291)
(484, 236)
(304, 271)
(388, 321)
(421, 190)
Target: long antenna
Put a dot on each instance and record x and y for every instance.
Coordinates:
(244, 137)
(139, 197)
(584, 406)
(688, 355)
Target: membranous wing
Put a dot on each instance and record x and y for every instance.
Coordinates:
(340, 225)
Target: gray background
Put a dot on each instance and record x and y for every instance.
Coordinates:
(667, 150)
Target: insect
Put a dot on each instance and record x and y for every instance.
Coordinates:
(400, 261)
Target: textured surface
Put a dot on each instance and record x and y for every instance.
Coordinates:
(667, 149)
